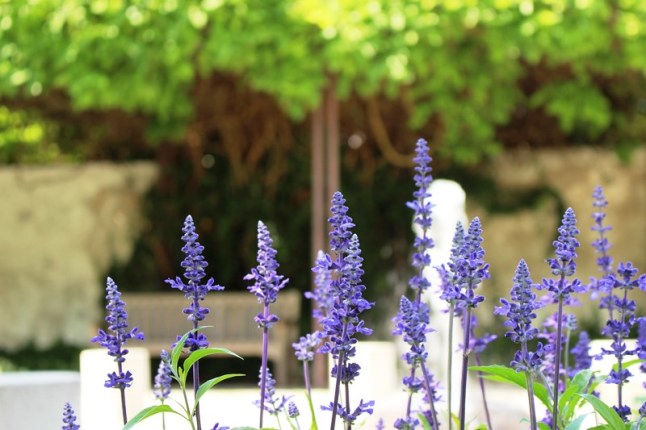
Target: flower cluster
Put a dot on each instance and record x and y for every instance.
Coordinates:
(422, 208)
(119, 334)
(69, 419)
(343, 322)
(194, 290)
(163, 379)
(267, 282)
(564, 265)
(272, 403)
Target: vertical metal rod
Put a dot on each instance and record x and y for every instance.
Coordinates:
(318, 220)
(332, 140)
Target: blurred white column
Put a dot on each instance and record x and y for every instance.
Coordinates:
(101, 407)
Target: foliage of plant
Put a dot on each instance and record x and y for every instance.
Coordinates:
(469, 68)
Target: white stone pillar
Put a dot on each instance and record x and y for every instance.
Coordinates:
(100, 406)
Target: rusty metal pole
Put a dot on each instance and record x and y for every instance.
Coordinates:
(325, 181)
(332, 140)
(318, 220)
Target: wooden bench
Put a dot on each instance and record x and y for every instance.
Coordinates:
(160, 317)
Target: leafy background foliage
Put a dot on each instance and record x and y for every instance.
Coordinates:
(219, 92)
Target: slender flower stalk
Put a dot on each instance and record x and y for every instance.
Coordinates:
(343, 322)
(69, 419)
(163, 379)
(450, 294)
(267, 283)
(478, 345)
(520, 311)
(194, 290)
(560, 291)
(470, 271)
(623, 281)
(271, 402)
(114, 341)
(412, 320)
(602, 247)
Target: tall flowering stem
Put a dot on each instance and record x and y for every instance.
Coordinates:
(520, 311)
(623, 281)
(602, 246)
(343, 322)
(195, 291)
(451, 294)
(114, 341)
(470, 271)
(267, 283)
(560, 291)
(412, 320)
(163, 379)
(270, 401)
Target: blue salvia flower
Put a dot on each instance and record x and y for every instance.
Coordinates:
(581, 354)
(564, 265)
(69, 419)
(422, 207)
(411, 322)
(520, 310)
(350, 417)
(118, 335)
(272, 404)
(292, 410)
(163, 379)
(470, 269)
(194, 290)
(267, 283)
(451, 291)
(413, 317)
(217, 426)
(623, 280)
(641, 344)
(307, 345)
(321, 294)
(560, 290)
(343, 322)
(601, 245)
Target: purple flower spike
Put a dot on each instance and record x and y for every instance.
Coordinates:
(272, 404)
(343, 324)
(601, 244)
(292, 410)
(194, 289)
(307, 345)
(422, 218)
(581, 354)
(69, 419)
(267, 282)
(411, 322)
(118, 335)
(161, 388)
(520, 310)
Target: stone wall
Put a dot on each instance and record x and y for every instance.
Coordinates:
(61, 227)
(572, 176)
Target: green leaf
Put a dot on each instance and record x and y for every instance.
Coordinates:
(177, 350)
(507, 374)
(149, 412)
(424, 421)
(607, 413)
(206, 386)
(576, 424)
(201, 353)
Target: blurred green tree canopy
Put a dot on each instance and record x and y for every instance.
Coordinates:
(472, 72)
